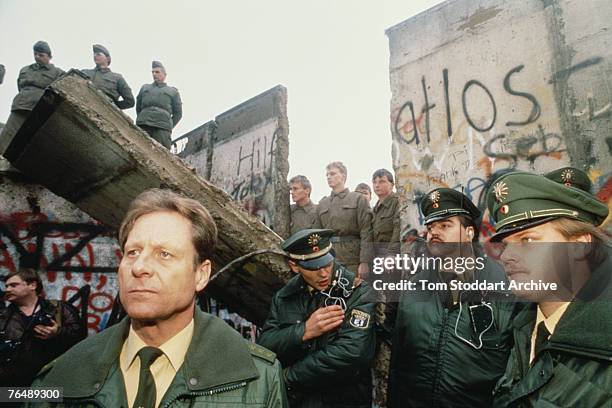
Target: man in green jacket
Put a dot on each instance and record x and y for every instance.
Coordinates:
(303, 211)
(386, 222)
(31, 83)
(450, 345)
(159, 107)
(321, 327)
(562, 353)
(350, 216)
(112, 84)
(166, 353)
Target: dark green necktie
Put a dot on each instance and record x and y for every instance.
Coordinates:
(145, 398)
(542, 335)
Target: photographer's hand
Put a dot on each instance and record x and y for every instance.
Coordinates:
(46, 332)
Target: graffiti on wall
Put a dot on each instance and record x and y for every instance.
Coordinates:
(485, 129)
(69, 255)
(244, 167)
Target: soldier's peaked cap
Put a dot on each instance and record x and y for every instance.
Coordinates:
(521, 200)
(157, 64)
(100, 48)
(42, 46)
(443, 203)
(310, 248)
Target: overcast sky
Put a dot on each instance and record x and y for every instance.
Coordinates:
(332, 56)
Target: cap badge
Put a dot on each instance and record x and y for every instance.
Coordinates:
(504, 209)
(435, 198)
(567, 176)
(314, 239)
(501, 191)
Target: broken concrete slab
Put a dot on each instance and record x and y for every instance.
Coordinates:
(81, 147)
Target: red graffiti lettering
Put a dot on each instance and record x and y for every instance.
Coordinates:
(101, 302)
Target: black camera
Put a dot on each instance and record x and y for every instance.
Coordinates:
(42, 319)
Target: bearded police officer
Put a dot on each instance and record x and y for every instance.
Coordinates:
(166, 352)
(112, 84)
(31, 83)
(350, 216)
(321, 327)
(159, 107)
(450, 345)
(562, 353)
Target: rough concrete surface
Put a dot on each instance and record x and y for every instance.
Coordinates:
(481, 86)
(245, 152)
(81, 147)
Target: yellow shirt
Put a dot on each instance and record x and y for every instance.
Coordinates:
(550, 323)
(163, 369)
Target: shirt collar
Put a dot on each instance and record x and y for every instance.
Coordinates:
(551, 321)
(305, 207)
(174, 349)
(386, 202)
(341, 194)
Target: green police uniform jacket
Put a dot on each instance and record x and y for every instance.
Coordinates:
(31, 83)
(303, 217)
(113, 85)
(386, 226)
(158, 105)
(350, 216)
(220, 370)
(332, 370)
(574, 368)
(432, 367)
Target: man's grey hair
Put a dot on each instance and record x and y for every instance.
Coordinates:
(303, 180)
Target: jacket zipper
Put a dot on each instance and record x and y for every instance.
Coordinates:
(210, 391)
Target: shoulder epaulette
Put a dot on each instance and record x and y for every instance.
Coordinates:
(262, 352)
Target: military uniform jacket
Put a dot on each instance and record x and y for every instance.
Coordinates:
(303, 217)
(221, 369)
(386, 226)
(350, 216)
(430, 366)
(158, 105)
(332, 370)
(113, 85)
(574, 367)
(31, 83)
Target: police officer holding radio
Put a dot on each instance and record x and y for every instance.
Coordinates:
(321, 327)
(450, 346)
(33, 330)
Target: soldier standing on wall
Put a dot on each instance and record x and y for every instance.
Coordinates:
(31, 83)
(111, 83)
(159, 107)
